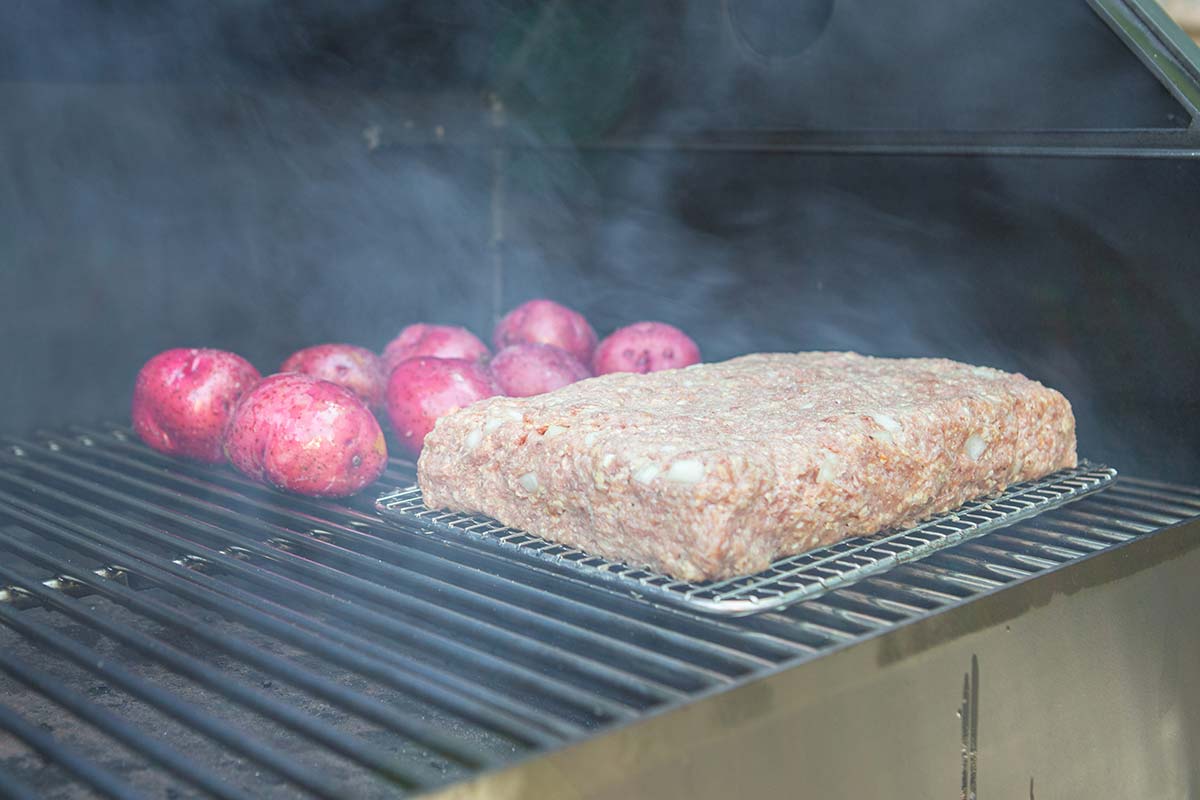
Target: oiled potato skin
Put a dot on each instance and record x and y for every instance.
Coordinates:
(544, 321)
(306, 436)
(420, 390)
(356, 368)
(183, 400)
(645, 347)
(438, 341)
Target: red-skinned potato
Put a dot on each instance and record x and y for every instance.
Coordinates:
(422, 389)
(306, 436)
(523, 370)
(356, 368)
(645, 347)
(183, 400)
(547, 322)
(439, 341)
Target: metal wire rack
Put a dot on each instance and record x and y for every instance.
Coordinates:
(789, 579)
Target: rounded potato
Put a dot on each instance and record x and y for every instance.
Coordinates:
(645, 347)
(307, 436)
(547, 322)
(523, 370)
(183, 400)
(422, 389)
(356, 368)
(439, 341)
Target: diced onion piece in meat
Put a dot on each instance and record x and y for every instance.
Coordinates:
(975, 446)
(529, 482)
(882, 436)
(474, 438)
(887, 423)
(687, 470)
(646, 474)
(554, 430)
(830, 468)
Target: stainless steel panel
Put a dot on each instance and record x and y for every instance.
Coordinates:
(1078, 683)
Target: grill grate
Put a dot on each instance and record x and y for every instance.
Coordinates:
(790, 579)
(170, 629)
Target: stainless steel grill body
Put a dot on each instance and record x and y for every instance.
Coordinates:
(213, 635)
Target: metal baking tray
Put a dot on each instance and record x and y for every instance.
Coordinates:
(788, 580)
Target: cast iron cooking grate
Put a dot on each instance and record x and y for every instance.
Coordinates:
(790, 579)
(169, 629)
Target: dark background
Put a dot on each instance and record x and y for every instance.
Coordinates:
(261, 176)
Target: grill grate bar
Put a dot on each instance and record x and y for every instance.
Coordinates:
(1019, 556)
(895, 600)
(10, 787)
(984, 574)
(1149, 514)
(975, 580)
(1115, 532)
(168, 703)
(213, 679)
(415, 678)
(595, 606)
(54, 751)
(1158, 498)
(1045, 538)
(914, 581)
(118, 729)
(1174, 491)
(864, 621)
(277, 667)
(1163, 505)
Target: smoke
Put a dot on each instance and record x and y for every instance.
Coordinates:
(264, 176)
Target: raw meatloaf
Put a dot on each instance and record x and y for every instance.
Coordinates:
(717, 470)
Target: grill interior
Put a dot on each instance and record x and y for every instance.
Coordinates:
(209, 636)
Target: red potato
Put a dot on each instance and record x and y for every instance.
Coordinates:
(645, 347)
(523, 370)
(307, 436)
(439, 341)
(356, 368)
(183, 400)
(547, 322)
(420, 390)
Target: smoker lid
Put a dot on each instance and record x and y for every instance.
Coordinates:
(970, 65)
(585, 69)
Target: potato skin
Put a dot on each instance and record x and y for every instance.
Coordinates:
(523, 370)
(645, 347)
(547, 322)
(306, 436)
(439, 341)
(422, 389)
(183, 400)
(356, 368)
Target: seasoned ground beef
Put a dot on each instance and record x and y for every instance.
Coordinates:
(718, 469)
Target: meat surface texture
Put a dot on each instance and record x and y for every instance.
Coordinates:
(719, 469)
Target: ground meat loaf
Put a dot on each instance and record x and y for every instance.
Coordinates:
(716, 470)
